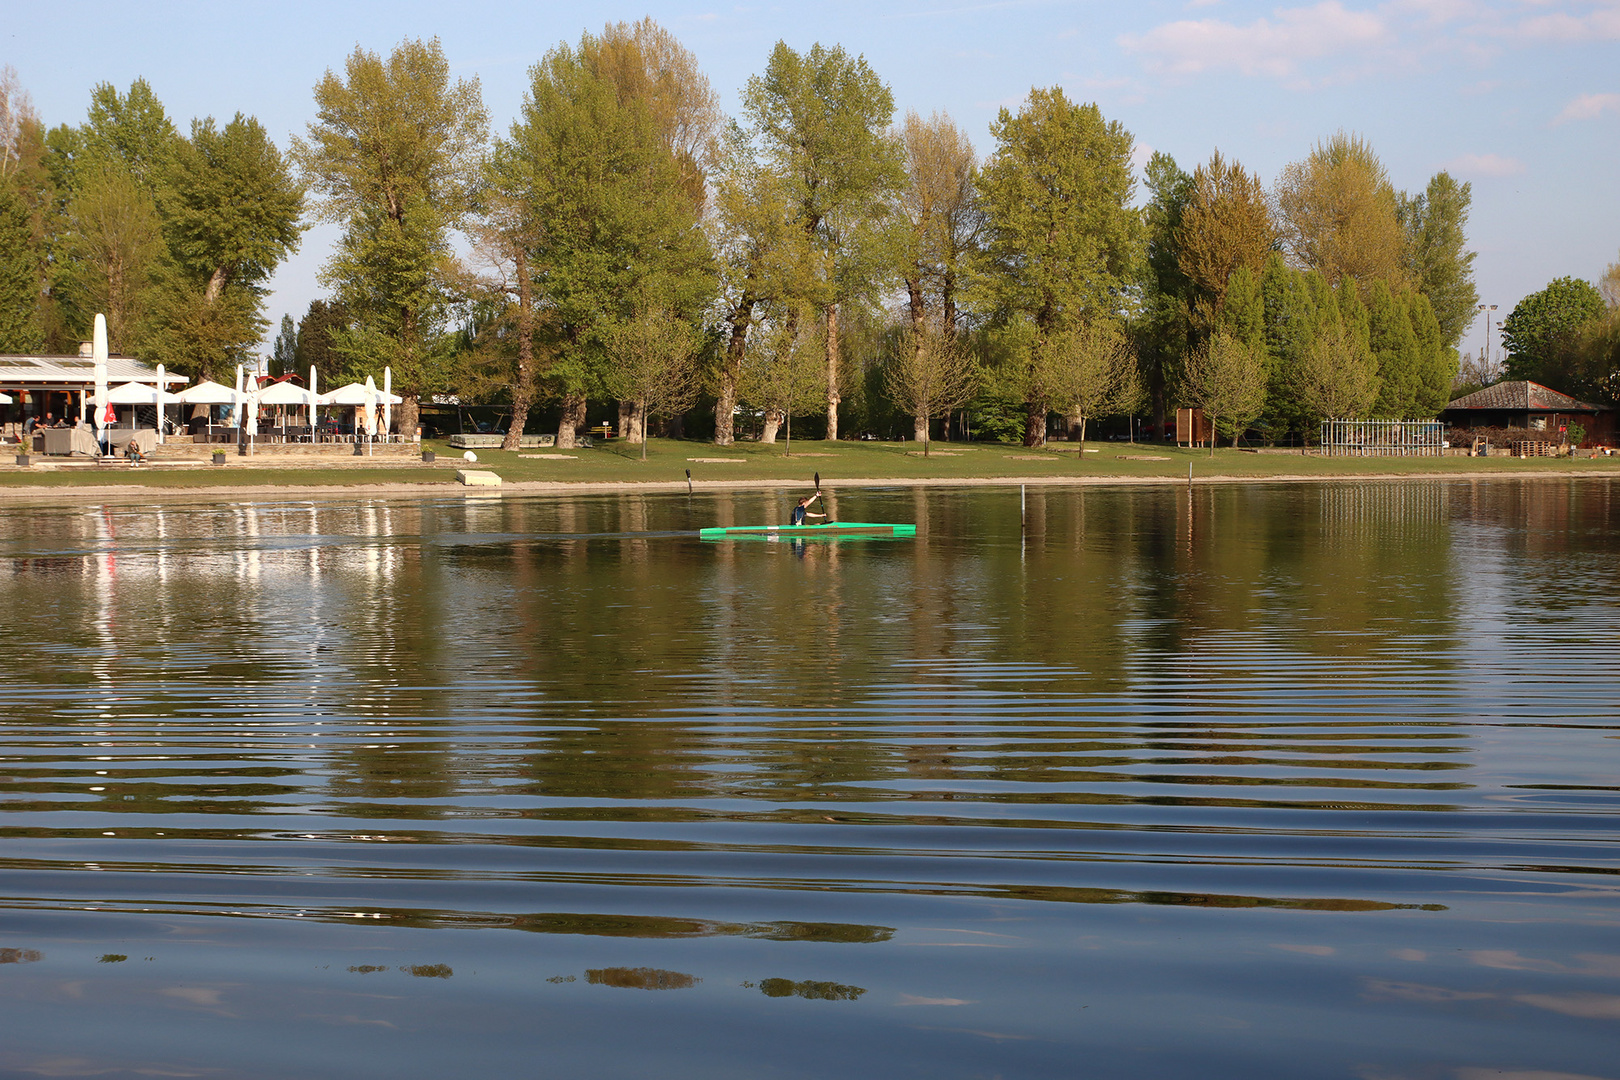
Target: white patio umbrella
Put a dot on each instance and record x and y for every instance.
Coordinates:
(312, 401)
(98, 355)
(371, 408)
(388, 406)
(283, 393)
(355, 394)
(206, 392)
(5, 399)
(134, 393)
(236, 402)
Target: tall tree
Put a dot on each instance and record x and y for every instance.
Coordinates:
(20, 330)
(1226, 224)
(941, 212)
(395, 154)
(116, 245)
(1339, 214)
(1062, 237)
(1164, 320)
(232, 215)
(1337, 377)
(1438, 263)
(783, 372)
(619, 231)
(650, 65)
(284, 351)
(318, 332)
(821, 118)
(761, 253)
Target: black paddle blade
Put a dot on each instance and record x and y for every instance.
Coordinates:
(818, 481)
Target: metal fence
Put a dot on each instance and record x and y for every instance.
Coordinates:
(1383, 438)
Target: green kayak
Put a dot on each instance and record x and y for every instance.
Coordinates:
(831, 528)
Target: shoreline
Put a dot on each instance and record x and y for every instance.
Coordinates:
(238, 492)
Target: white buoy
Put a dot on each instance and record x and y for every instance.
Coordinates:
(469, 456)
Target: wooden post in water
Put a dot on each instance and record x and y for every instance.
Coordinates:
(1023, 517)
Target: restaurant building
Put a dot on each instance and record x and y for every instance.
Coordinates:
(1532, 407)
(65, 385)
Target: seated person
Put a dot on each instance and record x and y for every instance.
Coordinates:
(132, 452)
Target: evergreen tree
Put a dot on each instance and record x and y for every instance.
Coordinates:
(284, 353)
(318, 333)
(1437, 263)
(1226, 226)
(1164, 320)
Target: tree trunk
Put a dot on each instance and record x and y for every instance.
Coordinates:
(523, 388)
(1034, 424)
(773, 420)
(919, 428)
(631, 425)
(725, 432)
(947, 305)
(832, 373)
(914, 296)
(410, 410)
(573, 417)
(1072, 423)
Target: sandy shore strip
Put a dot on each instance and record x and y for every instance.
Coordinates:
(448, 488)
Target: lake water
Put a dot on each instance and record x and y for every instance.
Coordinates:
(1252, 781)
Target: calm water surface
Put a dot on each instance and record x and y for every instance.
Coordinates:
(1262, 781)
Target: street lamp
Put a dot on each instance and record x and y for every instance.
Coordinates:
(1487, 308)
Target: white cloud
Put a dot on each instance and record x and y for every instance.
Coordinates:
(1485, 165)
(1602, 23)
(1588, 107)
(1268, 46)
(1141, 154)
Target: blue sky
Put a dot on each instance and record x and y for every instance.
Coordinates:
(1519, 97)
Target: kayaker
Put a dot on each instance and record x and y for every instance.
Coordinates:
(802, 511)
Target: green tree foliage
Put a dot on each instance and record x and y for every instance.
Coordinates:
(941, 215)
(20, 329)
(1062, 237)
(654, 367)
(760, 252)
(1337, 377)
(1226, 225)
(1164, 321)
(930, 374)
(284, 351)
(116, 246)
(1539, 330)
(231, 215)
(1088, 372)
(783, 370)
(1339, 214)
(620, 230)
(395, 156)
(820, 119)
(318, 333)
(1226, 377)
(1438, 263)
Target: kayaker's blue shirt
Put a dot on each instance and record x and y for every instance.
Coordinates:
(798, 515)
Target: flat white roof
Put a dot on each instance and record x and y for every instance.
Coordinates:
(77, 371)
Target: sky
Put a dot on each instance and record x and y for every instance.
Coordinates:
(1520, 98)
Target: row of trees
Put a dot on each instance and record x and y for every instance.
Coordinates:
(172, 236)
(626, 240)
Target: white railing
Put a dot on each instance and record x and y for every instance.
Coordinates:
(1383, 438)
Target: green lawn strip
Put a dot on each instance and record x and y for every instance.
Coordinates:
(668, 461)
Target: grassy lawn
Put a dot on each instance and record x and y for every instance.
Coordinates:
(668, 462)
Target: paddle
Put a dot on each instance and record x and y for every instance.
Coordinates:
(826, 518)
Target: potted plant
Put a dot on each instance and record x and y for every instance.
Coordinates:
(219, 457)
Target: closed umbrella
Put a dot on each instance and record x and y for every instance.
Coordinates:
(98, 356)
